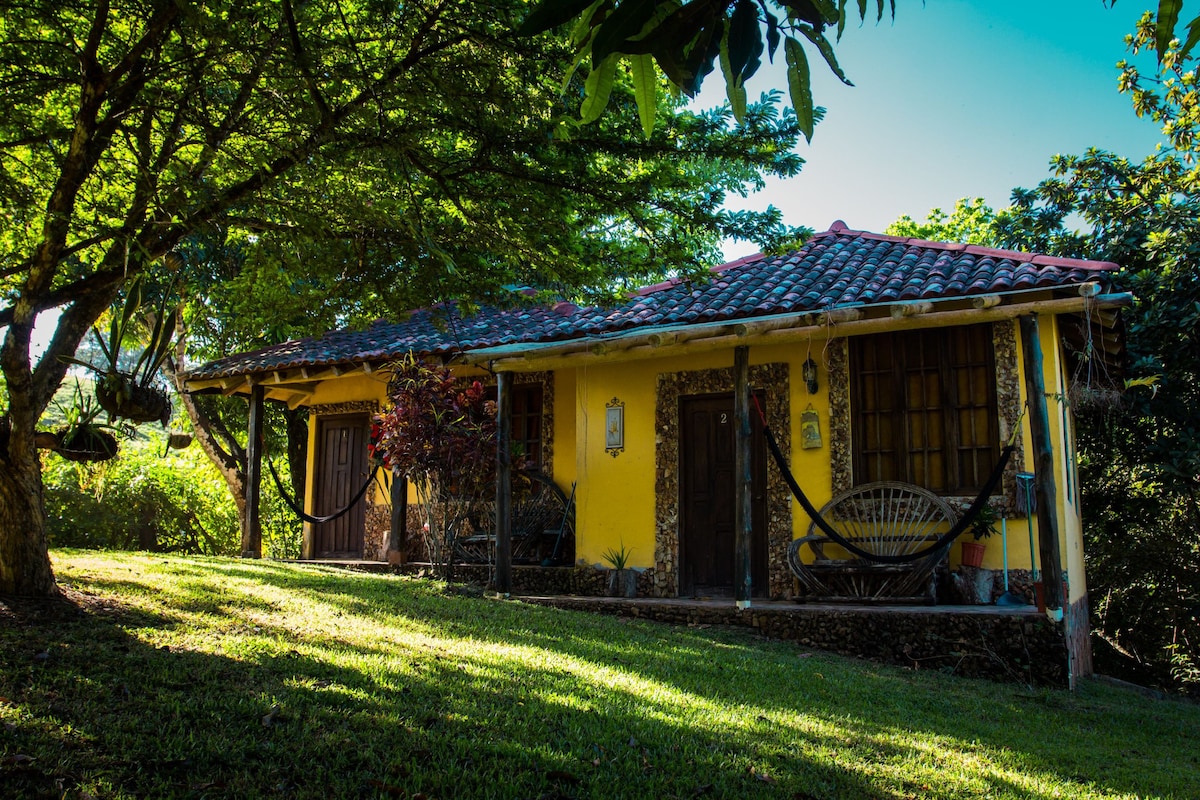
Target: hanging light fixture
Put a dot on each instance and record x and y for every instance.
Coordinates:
(810, 375)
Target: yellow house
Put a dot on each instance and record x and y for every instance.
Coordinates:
(872, 358)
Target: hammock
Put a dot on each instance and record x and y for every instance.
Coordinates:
(299, 512)
(942, 541)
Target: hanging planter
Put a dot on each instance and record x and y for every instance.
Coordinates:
(121, 396)
(86, 443)
(132, 394)
(177, 440)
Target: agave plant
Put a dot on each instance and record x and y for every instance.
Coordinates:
(132, 394)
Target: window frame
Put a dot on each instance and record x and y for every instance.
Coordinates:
(940, 356)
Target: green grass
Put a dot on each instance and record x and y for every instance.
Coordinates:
(189, 677)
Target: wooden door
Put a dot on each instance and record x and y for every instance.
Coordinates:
(341, 467)
(707, 535)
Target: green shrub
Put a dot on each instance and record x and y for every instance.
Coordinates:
(145, 499)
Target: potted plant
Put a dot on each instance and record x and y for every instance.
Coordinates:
(133, 394)
(981, 528)
(81, 437)
(622, 581)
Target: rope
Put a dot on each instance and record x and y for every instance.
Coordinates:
(299, 512)
(942, 541)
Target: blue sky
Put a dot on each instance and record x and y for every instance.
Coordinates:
(955, 98)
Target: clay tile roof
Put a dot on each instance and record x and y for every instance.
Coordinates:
(840, 267)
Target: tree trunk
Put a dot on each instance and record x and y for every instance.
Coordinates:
(296, 426)
(210, 433)
(24, 560)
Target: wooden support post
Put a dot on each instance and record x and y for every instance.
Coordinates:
(1043, 464)
(398, 534)
(743, 518)
(252, 535)
(503, 482)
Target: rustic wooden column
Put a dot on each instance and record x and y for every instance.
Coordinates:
(1043, 463)
(398, 533)
(503, 482)
(743, 517)
(252, 535)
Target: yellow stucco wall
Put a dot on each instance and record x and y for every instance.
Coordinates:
(616, 499)
(564, 467)
(1070, 527)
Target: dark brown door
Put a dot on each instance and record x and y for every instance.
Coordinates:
(707, 536)
(341, 470)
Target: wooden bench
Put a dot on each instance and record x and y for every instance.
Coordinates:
(885, 518)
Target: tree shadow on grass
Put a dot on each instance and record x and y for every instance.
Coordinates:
(1024, 735)
(92, 708)
(461, 697)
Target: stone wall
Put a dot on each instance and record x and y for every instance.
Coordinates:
(1020, 646)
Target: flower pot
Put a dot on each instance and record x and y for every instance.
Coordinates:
(622, 583)
(972, 554)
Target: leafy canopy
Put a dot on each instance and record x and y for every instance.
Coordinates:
(685, 39)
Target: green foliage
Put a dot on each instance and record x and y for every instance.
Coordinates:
(152, 498)
(617, 556)
(357, 157)
(971, 222)
(686, 39)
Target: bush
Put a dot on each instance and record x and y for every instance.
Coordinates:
(147, 500)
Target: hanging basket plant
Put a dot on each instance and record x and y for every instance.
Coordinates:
(133, 394)
(82, 438)
(177, 440)
(124, 398)
(86, 443)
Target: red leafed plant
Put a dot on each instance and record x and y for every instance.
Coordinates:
(440, 433)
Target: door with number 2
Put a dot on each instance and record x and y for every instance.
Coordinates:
(707, 533)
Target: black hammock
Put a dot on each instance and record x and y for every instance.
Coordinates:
(299, 512)
(942, 541)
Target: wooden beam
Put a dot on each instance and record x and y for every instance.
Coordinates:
(231, 386)
(743, 476)
(1043, 463)
(398, 532)
(252, 535)
(985, 301)
(504, 482)
(898, 310)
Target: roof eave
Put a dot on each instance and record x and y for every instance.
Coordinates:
(799, 326)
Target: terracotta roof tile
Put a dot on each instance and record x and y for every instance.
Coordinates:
(840, 267)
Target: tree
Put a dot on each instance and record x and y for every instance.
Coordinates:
(971, 222)
(412, 145)
(684, 40)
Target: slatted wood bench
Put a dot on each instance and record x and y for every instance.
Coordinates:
(885, 518)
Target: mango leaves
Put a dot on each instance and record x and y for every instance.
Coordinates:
(686, 39)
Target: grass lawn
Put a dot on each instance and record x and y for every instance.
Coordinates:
(190, 677)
